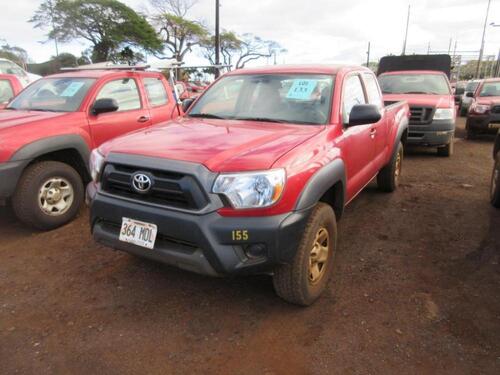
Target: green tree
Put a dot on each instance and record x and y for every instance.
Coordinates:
(468, 70)
(240, 50)
(179, 35)
(108, 25)
(230, 45)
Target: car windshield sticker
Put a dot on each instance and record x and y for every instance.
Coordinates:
(302, 89)
(72, 89)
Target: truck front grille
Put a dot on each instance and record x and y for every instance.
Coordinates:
(168, 188)
(421, 115)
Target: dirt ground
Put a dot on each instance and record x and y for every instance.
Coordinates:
(416, 290)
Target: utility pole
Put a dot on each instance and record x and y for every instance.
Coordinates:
(217, 39)
(429, 48)
(481, 51)
(368, 56)
(406, 33)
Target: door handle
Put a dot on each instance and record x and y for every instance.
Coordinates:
(143, 119)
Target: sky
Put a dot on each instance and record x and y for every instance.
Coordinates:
(319, 31)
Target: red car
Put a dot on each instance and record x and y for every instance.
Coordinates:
(10, 86)
(484, 112)
(48, 131)
(254, 177)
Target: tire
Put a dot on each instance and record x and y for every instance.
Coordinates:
(495, 184)
(469, 133)
(389, 176)
(447, 151)
(295, 282)
(36, 202)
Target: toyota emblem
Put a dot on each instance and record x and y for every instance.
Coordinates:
(141, 183)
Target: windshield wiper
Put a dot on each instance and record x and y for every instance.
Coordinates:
(261, 119)
(207, 115)
(39, 109)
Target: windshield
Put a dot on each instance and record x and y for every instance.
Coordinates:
(53, 95)
(433, 84)
(5, 91)
(471, 86)
(490, 89)
(293, 98)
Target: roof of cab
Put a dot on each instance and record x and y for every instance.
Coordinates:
(297, 69)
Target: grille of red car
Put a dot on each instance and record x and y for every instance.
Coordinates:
(421, 115)
(168, 188)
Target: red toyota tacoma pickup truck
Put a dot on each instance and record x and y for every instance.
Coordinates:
(422, 81)
(484, 111)
(48, 131)
(254, 177)
(10, 86)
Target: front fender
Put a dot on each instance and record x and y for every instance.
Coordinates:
(326, 177)
(50, 144)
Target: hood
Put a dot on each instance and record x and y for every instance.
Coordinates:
(488, 100)
(437, 101)
(220, 145)
(13, 118)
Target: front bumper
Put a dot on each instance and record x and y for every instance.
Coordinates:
(435, 134)
(10, 172)
(201, 243)
(488, 123)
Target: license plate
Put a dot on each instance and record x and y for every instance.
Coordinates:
(495, 126)
(138, 233)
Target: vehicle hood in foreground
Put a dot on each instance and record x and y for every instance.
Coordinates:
(220, 145)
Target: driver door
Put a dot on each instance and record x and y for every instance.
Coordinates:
(358, 141)
(131, 115)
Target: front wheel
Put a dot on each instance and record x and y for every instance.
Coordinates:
(495, 184)
(389, 176)
(48, 195)
(302, 281)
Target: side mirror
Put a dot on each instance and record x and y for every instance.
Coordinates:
(186, 103)
(362, 114)
(469, 94)
(104, 105)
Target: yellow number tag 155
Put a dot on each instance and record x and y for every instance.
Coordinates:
(240, 235)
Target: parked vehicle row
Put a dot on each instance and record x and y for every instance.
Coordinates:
(252, 179)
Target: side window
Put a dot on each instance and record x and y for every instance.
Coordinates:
(353, 94)
(6, 92)
(374, 96)
(124, 91)
(156, 92)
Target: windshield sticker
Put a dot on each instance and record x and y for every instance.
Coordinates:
(72, 89)
(302, 89)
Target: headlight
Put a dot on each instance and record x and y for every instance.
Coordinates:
(251, 190)
(444, 114)
(95, 164)
(479, 108)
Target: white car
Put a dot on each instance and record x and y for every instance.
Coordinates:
(467, 101)
(9, 67)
